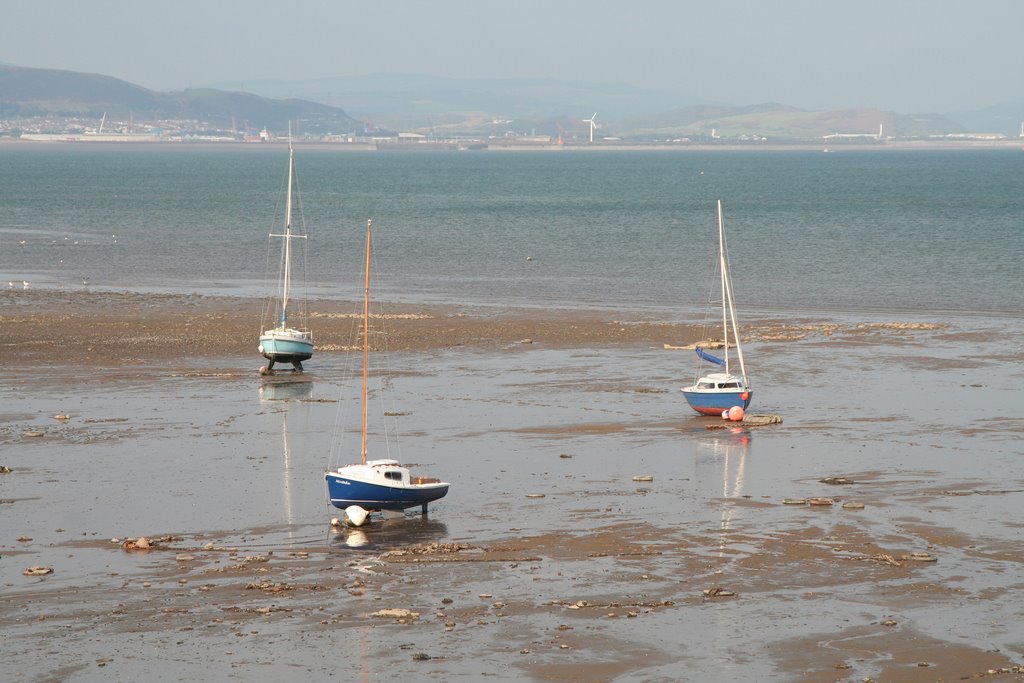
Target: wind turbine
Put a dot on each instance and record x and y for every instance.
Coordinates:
(592, 125)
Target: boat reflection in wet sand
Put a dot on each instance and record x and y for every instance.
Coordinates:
(286, 388)
(390, 533)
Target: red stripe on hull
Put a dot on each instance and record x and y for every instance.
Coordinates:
(716, 412)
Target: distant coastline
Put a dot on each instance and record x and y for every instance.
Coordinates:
(499, 146)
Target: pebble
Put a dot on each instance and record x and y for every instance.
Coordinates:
(396, 613)
(819, 501)
(853, 505)
(534, 495)
(38, 570)
(643, 477)
(141, 543)
(32, 435)
(920, 557)
(794, 501)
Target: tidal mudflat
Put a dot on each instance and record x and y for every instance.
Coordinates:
(547, 561)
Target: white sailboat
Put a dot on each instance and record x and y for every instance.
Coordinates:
(286, 343)
(716, 392)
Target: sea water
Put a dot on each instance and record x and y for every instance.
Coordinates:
(854, 230)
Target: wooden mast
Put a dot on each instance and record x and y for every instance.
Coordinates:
(366, 329)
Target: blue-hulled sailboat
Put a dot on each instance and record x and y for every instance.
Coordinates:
(285, 343)
(716, 392)
(382, 484)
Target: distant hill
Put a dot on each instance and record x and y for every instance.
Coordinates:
(1001, 118)
(27, 92)
(780, 122)
(444, 106)
(478, 107)
(411, 101)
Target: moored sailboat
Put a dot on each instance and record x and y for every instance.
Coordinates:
(285, 343)
(716, 392)
(380, 484)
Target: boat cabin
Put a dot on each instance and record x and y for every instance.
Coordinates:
(394, 474)
(720, 381)
(708, 384)
(388, 470)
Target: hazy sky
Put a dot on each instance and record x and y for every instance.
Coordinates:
(904, 55)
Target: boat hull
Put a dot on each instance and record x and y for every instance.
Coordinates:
(716, 402)
(344, 491)
(286, 349)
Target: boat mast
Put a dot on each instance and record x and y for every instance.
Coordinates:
(366, 328)
(727, 289)
(723, 269)
(287, 232)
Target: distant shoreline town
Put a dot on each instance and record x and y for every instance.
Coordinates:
(90, 131)
(358, 144)
(74, 133)
(79, 131)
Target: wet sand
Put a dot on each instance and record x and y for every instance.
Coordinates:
(547, 561)
(54, 326)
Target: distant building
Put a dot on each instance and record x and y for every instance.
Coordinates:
(854, 136)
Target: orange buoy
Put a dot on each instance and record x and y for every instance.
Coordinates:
(736, 413)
